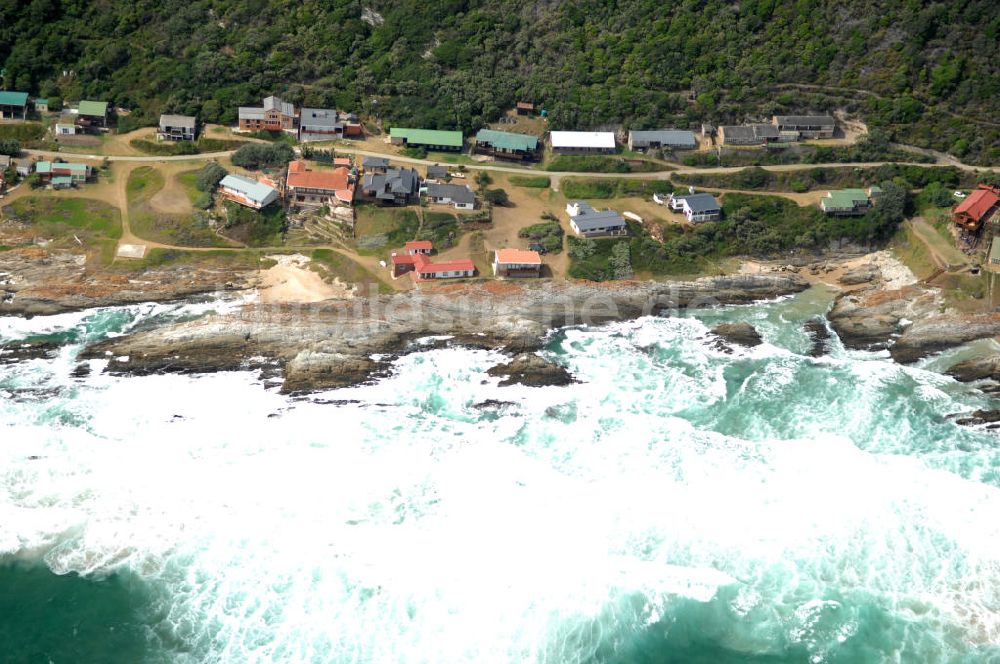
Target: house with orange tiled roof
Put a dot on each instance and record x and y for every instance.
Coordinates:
(517, 263)
(305, 186)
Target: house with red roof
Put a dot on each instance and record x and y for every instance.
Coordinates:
(308, 187)
(421, 268)
(977, 208)
(517, 263)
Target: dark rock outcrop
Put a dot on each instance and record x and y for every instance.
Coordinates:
(980, 368)
(532, 370)
(21, 351)
(978, 417)
(937, 333)
(344, 342)
(820, 336)
(740, 334)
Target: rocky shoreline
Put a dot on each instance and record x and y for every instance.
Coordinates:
(347, 342)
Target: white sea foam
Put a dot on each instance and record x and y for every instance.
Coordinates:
(408, 527)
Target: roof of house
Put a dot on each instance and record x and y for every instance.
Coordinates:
(4, 161)
(844, 198)
(805, 120)
(428, 136)
(65, 125)
(747, 132)
(41, 100)
(395, 181)
(51, 166)
(518, 256)
(419, 244)
(583, 139)
(319, 117)
(93, 108)
(590, 219)
(507, 140)
(273, 103)
(62, 179)
(426, 266)
(459, 193)
(10, 98)
(701, 202)
(663, 137)
(187, 121)
(251, 113)
(526, 105)
(375, 162)
(978, 203)
(250, 188)
(337, 180)
(437, 171)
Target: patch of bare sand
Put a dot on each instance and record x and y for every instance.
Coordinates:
(290, 280)
(171, 199)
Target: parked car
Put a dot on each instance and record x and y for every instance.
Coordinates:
(959, 194)
(534, 246)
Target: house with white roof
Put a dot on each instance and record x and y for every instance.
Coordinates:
(247, 192)
(582, 142)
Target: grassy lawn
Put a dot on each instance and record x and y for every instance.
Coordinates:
(340, 266)
(189, 180)
(173, 148)
(96, 224)
(161, 257)
(22, 131)
(602, 164)
(913, 252)
(147, 222)
(380, 228)
(595, 188)
(531, 181)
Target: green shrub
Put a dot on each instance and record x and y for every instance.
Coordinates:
(256, 156)
(203, 201)
(209, 176)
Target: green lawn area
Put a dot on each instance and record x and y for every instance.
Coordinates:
(189, 180)
(157, 257)
(22, 131)
(380, 228)
(595, 188)
(531, 181)
(340, 266)
(96, 224)
(172, 148)
(602, 164)
(190, 230)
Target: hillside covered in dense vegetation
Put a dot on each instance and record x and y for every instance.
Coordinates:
(927, 72)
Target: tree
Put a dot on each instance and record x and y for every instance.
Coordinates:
(497, 197)
(258, 157)
(10, 147)
(209, 176)
(483, 178)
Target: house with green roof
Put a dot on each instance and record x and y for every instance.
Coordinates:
(429, 139)
(848, 202)
(41, 104)
(13, 105)
(506, 144)
(92, 114)
(51, 170)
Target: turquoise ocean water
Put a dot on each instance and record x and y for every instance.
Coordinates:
(680, 504)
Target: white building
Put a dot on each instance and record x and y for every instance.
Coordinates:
(582, 142)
